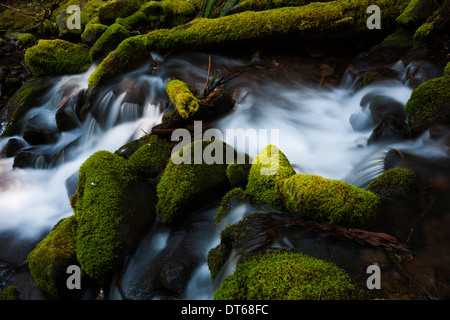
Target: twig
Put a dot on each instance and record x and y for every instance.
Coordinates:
(207, 77)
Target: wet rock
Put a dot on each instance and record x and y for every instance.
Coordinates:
(13, 146)
(67, 115)
(388, 130)
(381, 106)
(38, 131)
(29, 159)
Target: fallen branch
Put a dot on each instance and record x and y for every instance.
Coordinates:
(363, 237)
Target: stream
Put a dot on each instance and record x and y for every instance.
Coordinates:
(322, 131)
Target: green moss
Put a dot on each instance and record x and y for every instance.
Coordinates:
(237, 175)
(109, 12)
(88, 11)
(108, 41)
(232, 198)
(447, 70)
(394, 183)
(269, 167)
(57, 57)
(429, 105)
(151, 157)
(112, 209)
(129, 54)
(186, 185)
(426, 28)
(335, 18)
(416, 12)
(332, 201)
(93, 32)
(286, 276)
(9, 293)
(23, 100)
(27, 39)
(48, 262)
(182, 98)
(259, 5)
(48, 28)
(137, 19)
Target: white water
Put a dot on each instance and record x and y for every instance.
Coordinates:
(321, 132)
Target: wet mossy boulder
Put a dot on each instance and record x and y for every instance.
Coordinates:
(109, 12)
(128, 55)
(416, 12)
(326, 200)
(151, 157)
(190, 179)
(108, 41)
(27, 39)
(182, 98)
(92, 33)
(286, 276)
(269, 167)
(396, 183)
(48, 262)
(113, 207)
(429, 104)
(28, 96)
(230, 200)
(57, 57)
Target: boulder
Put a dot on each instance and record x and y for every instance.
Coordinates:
(108, 41)
(38, 131)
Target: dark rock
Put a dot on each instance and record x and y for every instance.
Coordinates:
(29, 159)
(13, 146)
(381, 106)
(71, 184)
(389, 129)
(37, 131)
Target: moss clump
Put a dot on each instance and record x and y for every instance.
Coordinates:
(237, 175)
(57, 57)
(394, 183)
(93, 32)
(189, 184)
(315, 20)
(424, 31)
(259, 5)
(269, 167)
(113, 208)
(429, 104)
(416, 12)
(108, 41)
(88, 11)
(182, 98)
(109, 12)
(27, 39)
(23, 100)
(48, 262)
(9, 293)
(129, 54)
(332, 201)
(151, 157)
(286, 276)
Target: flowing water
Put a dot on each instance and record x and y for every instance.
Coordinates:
(321, 131)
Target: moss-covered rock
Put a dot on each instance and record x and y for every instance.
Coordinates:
(92, 33)
(9, 293)
(269, 167)
(113, 208)
(259, 5)
(27, 39)
(24, 99)
(423, 32)
(286, 276)
(57, 57)
(109, 12)
(108, 41)
(151, 157)
(182, 98)
(429, 104)
(332, 201)
(191, 183)
(394, 183)
(238, 174)
(129, 54)
(316, 20)
(88, 12)
(416, 12)
(48, 262)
